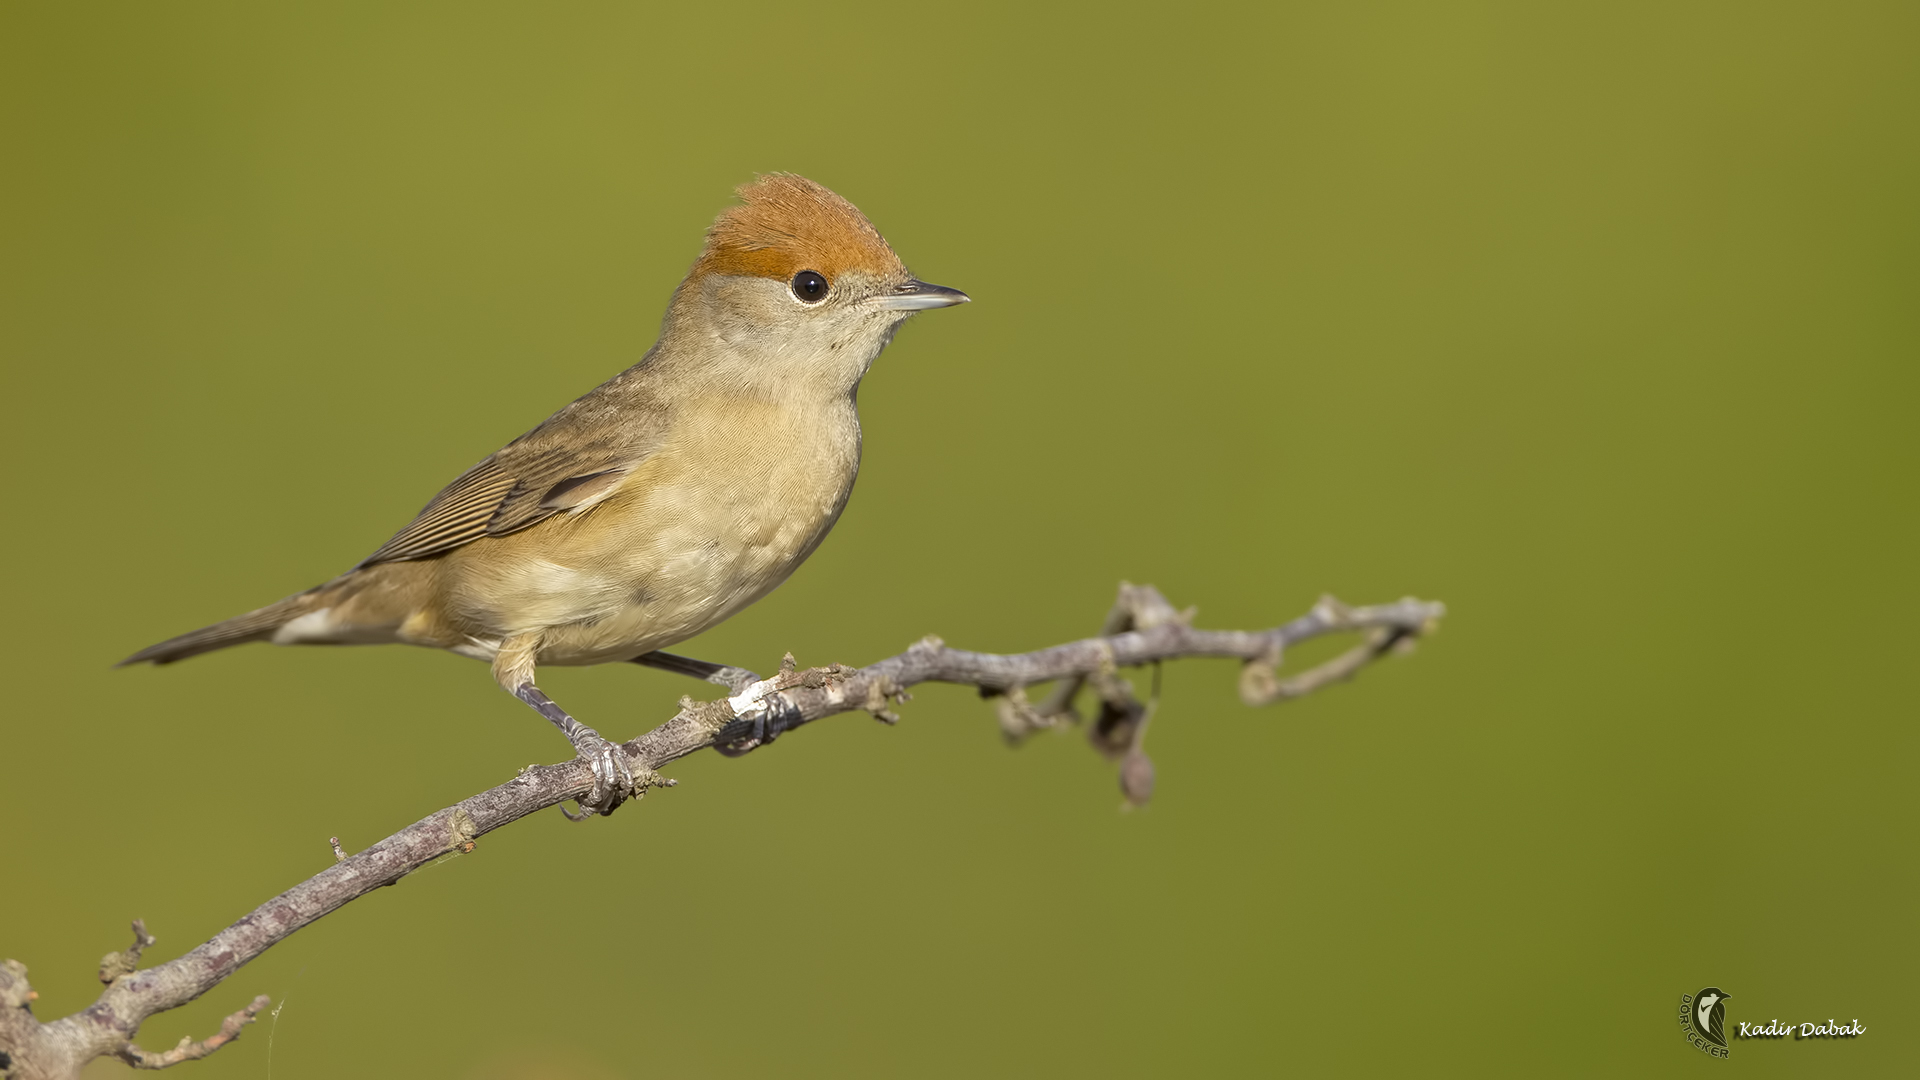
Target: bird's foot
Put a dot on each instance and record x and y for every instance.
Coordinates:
(762, 710)
(612, 778)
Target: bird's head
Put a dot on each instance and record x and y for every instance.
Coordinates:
(796, 283)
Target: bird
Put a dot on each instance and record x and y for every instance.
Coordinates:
(1709, 1015)
(663, 501)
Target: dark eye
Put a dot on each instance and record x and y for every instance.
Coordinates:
(809, 287)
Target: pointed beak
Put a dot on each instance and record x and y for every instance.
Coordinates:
(920, 296)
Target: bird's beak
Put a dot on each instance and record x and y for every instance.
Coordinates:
(920, 296)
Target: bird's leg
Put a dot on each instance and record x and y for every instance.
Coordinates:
(612, 779)
(513, 668)
(736, 679)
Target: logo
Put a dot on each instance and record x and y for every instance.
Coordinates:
(1703, 1019)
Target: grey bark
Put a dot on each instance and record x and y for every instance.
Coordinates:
(1142, 629)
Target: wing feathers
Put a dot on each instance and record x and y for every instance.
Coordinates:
(455, 516)
(582, 490)
(549, 470)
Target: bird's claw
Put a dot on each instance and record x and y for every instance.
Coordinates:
(612, 777)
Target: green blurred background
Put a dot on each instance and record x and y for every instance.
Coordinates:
(1597, 323)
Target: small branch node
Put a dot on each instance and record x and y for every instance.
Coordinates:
(1260, 678)
(818, 678)
(1018, 717)
(882, 692)
(126, 961)
(711, 716)
(462, 830)
(1334, 612)
(1146, 608)
(339, 855)
(15, 991)
(644, 778)
(1432, 614)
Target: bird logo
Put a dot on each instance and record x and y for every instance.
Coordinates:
(1710, 1015)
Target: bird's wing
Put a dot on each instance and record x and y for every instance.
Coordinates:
(579, 454)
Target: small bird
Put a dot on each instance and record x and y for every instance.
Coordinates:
(669, 497)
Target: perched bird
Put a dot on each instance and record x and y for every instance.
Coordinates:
(669, 497)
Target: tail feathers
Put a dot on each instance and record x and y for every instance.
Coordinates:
(253, 626)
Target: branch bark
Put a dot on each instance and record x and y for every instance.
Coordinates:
(1142, 629)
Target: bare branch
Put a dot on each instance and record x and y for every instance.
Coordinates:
(1142, 629)
(188, 1050)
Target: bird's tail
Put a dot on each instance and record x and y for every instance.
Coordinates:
(253, 626)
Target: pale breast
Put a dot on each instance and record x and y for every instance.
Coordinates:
(719, 517)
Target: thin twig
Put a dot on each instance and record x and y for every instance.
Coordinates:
(188, 1050)
(1142, 629)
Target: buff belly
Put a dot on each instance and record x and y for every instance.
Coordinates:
(663, 558)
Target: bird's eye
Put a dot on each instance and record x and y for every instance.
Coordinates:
(809, 287)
